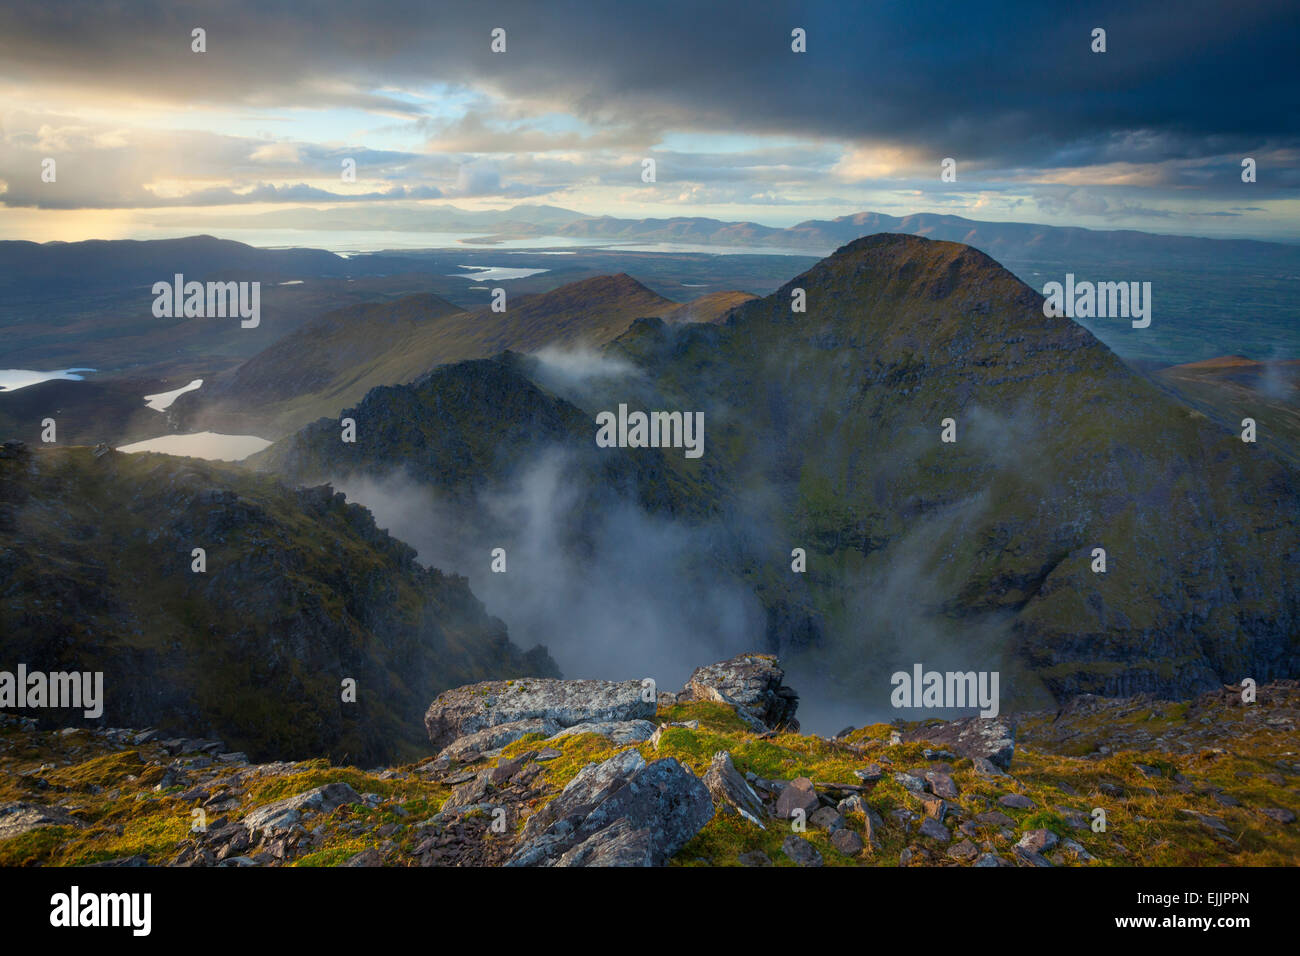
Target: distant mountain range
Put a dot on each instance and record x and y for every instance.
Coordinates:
(1002, 240)
(1211, 296)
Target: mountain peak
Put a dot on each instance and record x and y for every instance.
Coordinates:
(892, 284)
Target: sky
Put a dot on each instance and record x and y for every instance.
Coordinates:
(146, 132)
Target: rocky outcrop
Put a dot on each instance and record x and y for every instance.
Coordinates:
(17, 818)
(470, 709)
(753, 684)
(1215, 780)
(622, 812)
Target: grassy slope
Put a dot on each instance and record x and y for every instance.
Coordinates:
(1230, 389)
(333, 362)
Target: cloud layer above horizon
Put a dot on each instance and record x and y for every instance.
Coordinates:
(1150, 134)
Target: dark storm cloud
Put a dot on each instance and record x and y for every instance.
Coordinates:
(995, 85)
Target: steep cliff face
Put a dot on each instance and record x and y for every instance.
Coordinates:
(465, 426)
(299, 593)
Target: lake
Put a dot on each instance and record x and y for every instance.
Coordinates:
(12, 379)
(163, 400)
(207, 445)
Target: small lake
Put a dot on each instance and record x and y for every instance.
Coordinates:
(12, 379)
(494, 273)
(163, 400)
(211, 446)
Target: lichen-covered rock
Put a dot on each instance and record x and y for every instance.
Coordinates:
(593, 783)
(282, 814)
(496, 737)
(752, 683)
(467, 710)
(992, 738)
(642, 819)
(619, 731)
(18, 818)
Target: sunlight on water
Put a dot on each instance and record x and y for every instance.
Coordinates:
(12, 379)
(163, 400)
(208, 445)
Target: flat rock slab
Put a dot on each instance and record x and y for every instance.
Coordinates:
(285, 813)
(991, 738)
(494, 738)
(19, 818)
(475, 707)
(619, 731)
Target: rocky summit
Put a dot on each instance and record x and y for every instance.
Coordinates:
(545, 772)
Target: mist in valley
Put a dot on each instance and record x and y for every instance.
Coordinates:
(615, 592)
(631, 596)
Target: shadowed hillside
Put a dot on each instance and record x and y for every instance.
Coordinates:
(300, 592)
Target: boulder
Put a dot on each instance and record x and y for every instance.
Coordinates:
(801, 851)
(932, 828)
(1037, 841)
(991, 738)
(799, 794)
(1016, 801)
(624, 812)
(593, 784)
(942, 785)
(752, 683)
(827, 818)
(847, 842)
(475, 707)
